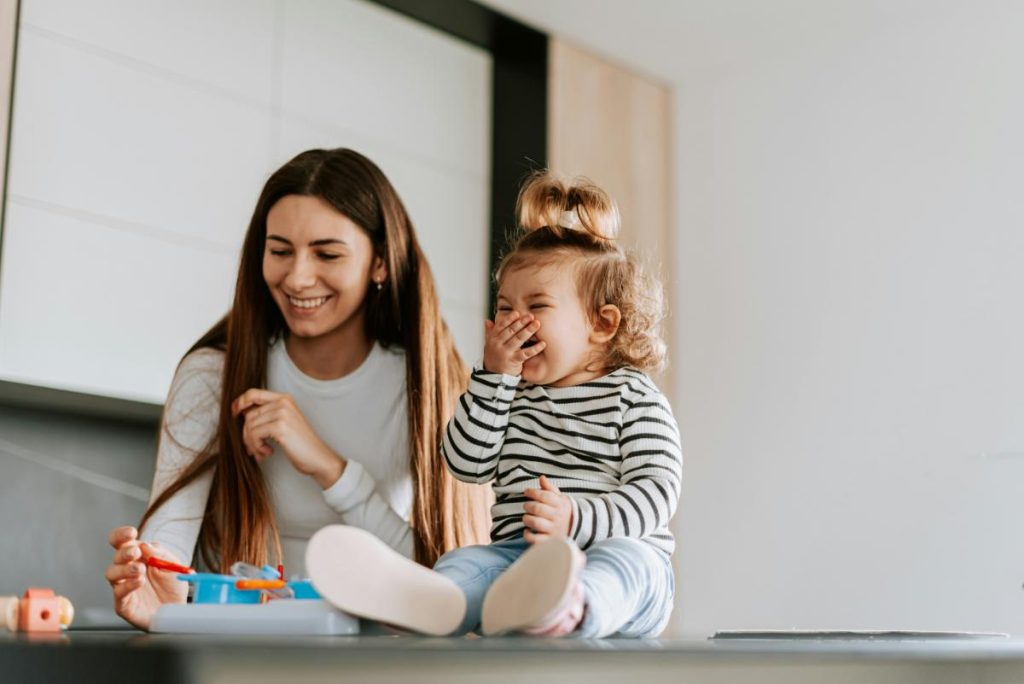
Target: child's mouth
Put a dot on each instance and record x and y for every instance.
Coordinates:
(529, 343)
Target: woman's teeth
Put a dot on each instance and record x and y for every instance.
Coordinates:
(307, 303)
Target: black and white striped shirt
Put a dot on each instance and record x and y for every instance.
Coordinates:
(611, 445)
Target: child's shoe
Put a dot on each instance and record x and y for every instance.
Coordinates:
(355, 571)
(540, 594)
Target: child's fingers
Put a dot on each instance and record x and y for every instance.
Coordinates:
(514, 328)
(538, 524)
(524, 333)
(543, 496)
(541, 510)
(547, 484)
(500, 325)
(534, 537)
(530, 352)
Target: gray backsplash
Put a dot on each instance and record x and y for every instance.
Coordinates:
(65, 482)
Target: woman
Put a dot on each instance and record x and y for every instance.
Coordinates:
(336, 316)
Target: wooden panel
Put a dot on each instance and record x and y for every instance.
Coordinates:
(614, 127)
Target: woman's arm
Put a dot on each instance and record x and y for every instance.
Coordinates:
(354, 497)
(274, 418)
(189, 423)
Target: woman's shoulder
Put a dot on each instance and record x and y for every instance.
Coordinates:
(204, 358)
(197, 380)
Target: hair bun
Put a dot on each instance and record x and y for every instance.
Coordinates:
(548, 201)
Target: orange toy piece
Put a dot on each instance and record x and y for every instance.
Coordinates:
(39, 610)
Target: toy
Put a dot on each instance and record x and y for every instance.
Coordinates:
(39, 610)
(251, 600)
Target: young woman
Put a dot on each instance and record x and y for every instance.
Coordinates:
(320, 398)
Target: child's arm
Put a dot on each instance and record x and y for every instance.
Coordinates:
(473, 438)
(652, 466)
(472, 441)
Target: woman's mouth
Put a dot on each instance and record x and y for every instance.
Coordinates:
(307, 305)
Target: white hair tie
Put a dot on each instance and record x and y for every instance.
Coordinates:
(568, 219)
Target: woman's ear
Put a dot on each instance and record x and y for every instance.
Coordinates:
(379, 272)
(606, 324)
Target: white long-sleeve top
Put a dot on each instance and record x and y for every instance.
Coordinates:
(362, 417)
(611, 445)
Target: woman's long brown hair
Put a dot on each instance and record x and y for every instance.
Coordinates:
(239, 522)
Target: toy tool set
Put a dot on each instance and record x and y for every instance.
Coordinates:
(250, 600)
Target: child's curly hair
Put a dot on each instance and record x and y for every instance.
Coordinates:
(605, 274)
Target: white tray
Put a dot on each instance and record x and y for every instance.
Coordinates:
(285, 616)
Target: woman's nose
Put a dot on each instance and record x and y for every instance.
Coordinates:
(301, 275)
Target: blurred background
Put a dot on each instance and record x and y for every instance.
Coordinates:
(826, 187)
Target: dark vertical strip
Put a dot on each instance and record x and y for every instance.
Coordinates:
(520, 127)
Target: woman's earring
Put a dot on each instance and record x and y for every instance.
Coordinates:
(380, 286)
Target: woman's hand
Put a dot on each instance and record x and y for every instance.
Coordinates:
(548, 514)
(503, 343)
(139, 590)
(274, 417)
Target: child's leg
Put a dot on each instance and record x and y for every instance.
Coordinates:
(474, 569)
(355, 571)
(629, 590)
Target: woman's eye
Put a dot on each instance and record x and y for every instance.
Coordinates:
(329, 257)
(280, 252)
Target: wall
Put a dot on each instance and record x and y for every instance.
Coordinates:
(142, 134)
(848, 285)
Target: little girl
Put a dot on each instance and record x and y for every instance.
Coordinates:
(580, 445)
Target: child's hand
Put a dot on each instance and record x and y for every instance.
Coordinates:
(503, 346)
(549, 514)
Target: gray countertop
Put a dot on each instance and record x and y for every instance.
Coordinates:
(95, 655)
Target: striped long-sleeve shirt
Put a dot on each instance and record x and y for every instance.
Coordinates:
(611, 445)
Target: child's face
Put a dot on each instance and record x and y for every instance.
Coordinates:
(549, 293)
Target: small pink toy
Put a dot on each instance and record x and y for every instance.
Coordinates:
(39, 610)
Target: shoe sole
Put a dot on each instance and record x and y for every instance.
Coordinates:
(531, 589)
(355, 571)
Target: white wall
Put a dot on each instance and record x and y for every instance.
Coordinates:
(143, 132)
(848, 293)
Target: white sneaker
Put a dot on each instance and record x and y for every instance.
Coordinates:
(537, 592)
(355, 571)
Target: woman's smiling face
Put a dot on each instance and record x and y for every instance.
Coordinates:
(318, 265)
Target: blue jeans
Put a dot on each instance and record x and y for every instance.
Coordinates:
(628, 586)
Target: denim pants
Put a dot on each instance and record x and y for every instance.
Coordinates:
(628, 586)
